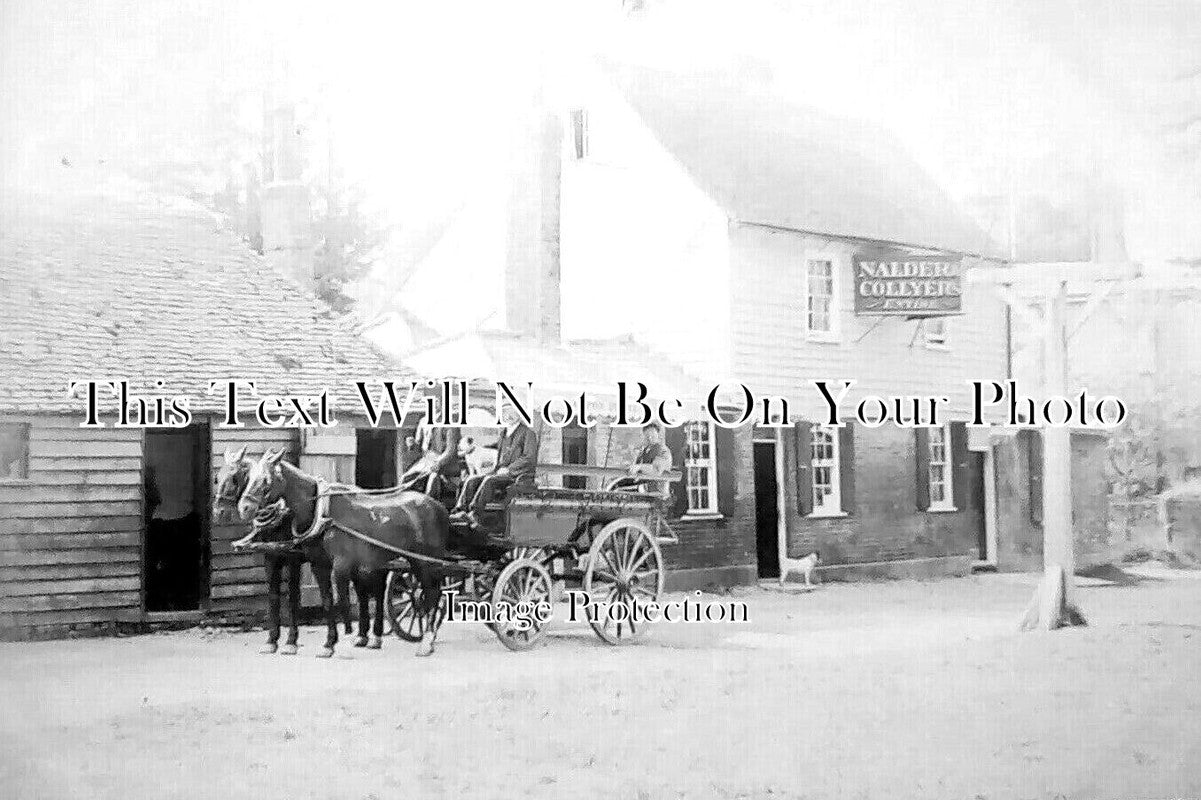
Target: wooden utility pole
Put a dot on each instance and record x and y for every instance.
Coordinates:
(1052, 605)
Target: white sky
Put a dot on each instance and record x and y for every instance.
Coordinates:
(420, 92)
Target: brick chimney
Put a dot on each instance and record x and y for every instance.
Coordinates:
(285, 214)
(532, 247)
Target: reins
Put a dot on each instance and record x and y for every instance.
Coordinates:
(322, 521)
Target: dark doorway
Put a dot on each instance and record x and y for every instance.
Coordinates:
(375, 458)
(976, 502)
(766, 510)
(575, 451)
(175, 504)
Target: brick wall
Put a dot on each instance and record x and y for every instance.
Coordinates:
(719, 552)
(884, 522)
(1019, 525)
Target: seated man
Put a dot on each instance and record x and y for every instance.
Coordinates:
(652, 460)
(440, 459)
(517, 453)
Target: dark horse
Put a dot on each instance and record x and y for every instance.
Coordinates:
(273, 527)
(360, 533)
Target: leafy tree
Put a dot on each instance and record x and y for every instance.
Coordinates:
(348, 240)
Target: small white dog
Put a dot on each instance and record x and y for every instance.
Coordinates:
(804, 565)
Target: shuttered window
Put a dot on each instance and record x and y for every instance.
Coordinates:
(823, 458)
(940, 471)
(700, 467)
(942, 467)
(825, 469)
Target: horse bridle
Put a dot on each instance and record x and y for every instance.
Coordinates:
(267, 502)
(241, 475)
(267, 495)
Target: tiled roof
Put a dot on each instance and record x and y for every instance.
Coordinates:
(100, 280)
(767, 160)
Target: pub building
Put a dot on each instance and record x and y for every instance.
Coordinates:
(738, 238)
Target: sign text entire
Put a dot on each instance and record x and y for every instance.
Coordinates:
(910, 286)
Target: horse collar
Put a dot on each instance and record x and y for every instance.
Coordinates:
(320, 515)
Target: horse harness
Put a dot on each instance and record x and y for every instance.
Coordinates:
(322, 520)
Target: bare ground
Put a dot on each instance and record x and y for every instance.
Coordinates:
(905, 689)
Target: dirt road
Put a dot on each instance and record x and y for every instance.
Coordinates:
(906, 689)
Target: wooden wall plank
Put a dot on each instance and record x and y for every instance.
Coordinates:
(40, 432)
(85, 449)
(70, 525)
(127, 508)
(28, 493)
(66, 541)
(75, 616)
(241, 590)
(244, 575)
(60, 463)
(254, 433)
(71, 602)
(96, 477)
(83, 555)
(50, 574)
(230, 560)
(249, 604)
(329, 443)
(79, 586)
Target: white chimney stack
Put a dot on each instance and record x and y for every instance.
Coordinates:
(532, 270)
(286, 217)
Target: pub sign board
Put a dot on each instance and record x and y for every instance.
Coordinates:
(890, 283)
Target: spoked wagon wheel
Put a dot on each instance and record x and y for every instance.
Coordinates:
(400, 600)
(455, 583)
(625, 567)
(403, 595)
(521, 581)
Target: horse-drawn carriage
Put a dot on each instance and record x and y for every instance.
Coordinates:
(527, 547)
(538, 541)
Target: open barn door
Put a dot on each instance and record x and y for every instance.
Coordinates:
(176, 518)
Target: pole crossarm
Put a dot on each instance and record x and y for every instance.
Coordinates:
(1041, 278)
(1030, 318)
(1095, 299)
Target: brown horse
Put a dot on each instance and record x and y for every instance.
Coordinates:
(272, 527)
(360, 533)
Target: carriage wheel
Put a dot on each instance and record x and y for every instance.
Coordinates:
(625, 567)
(401, 598)
(483, 584)
(455, 583)
(521, 581)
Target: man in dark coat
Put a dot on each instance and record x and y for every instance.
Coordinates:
(440, 458)
(651, 460)
(517, 453)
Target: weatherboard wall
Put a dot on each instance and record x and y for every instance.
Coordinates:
(773, 352)
(71, 534)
